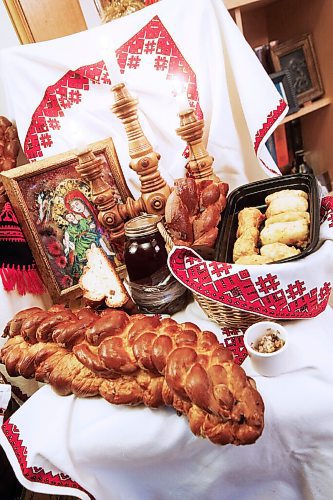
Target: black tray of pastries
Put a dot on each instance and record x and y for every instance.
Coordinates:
(254, 195)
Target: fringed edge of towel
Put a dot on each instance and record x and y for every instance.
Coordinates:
(23, 279)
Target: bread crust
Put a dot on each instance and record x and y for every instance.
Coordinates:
(193, 211)
(141, 360)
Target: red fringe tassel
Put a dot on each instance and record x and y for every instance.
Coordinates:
(24, 280)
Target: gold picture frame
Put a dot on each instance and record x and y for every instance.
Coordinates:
(59, 221)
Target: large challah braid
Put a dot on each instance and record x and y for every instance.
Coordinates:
(138, 359)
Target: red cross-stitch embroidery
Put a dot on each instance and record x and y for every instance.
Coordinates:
(267, 284)
(152, 41)
(231, 332)
(295, 289)
(326, 210)
(150, 47)
(218, 269)
(161, 63)
(325, 291)
(53, 123)
(234, 342)
(36, 474)
(74, 96)
(7, 214)
(264, 295)
(192, 260)
(271, 119)
(65, 103)
(62, 95)
(133, 62)
(46, 140)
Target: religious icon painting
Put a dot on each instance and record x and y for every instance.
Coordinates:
(59, 220)
(298, 56)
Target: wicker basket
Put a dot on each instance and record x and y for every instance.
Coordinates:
(223, 315)
(227, 316)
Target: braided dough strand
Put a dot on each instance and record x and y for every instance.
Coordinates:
(138, 360)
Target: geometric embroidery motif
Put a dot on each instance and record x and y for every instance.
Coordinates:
(36, 474)
(264, 295)
(9, 227)
(153, 42)
(234, 342)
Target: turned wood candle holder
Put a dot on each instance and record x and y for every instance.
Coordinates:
(144, 161)
(200, 163)
(111, 215)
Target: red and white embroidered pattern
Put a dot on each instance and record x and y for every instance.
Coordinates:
(35, 474)
(263, 295)
(271, 119)
(234, 341)
(152, 43)
(9, 228)
(326, 210)
(65, 93)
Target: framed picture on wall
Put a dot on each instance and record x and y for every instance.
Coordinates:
(299, 58)
(54, 207)
(283, 85)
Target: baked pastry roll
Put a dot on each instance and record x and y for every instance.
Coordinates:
(253, 260)
(246, 244)
(247, 218)
(287, 203)
(291, 233)
(288, 217)
(285, 192)
(278, 251)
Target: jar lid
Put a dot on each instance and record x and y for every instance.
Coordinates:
(142, 225)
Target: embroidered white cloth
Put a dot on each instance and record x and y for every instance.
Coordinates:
(53, 84)
(89, 448)
(64, 445)
(290, 290)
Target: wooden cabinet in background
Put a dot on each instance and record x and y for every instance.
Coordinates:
(40, 20)
(262, 21)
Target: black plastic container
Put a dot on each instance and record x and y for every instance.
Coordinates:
(253, 195)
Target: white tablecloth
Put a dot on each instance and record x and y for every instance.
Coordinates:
(118, 453)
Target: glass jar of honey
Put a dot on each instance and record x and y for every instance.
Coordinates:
(153, 288)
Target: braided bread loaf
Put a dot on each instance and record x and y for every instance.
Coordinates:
(193, 211)
(138, 359)
(9, 148)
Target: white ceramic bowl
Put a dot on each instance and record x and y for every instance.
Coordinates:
(267, 364)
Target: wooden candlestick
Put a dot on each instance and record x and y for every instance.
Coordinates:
(191, 131)
(110, 214)
(154, 189)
